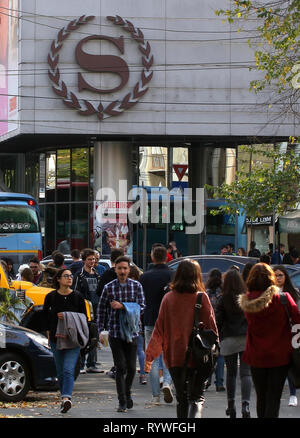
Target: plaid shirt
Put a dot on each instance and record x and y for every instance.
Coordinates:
(129, 292)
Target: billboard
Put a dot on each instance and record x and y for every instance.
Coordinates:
(8, 65)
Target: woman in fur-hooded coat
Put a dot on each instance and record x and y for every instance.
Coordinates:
(269, 339)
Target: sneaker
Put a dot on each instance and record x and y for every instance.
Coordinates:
(220, 388)
(94, 370)
(155, 401)
(83, 371)
(293, 401)
(143, 379)
(168, 396)
(65, 406)
(122, 407)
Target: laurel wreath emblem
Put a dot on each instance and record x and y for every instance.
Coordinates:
(83, 106)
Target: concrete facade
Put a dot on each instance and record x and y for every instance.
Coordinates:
(200, 83)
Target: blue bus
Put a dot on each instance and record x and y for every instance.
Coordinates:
(20, 229)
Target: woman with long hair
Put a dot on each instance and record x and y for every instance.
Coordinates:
(171, 335)
(285, 284)
(269, 338)
(213, 290)
(63, 299)
(232, 326)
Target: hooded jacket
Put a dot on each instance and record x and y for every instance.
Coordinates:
(269, 337)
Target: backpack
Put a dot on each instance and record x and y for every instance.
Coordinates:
(202, 346)
(93, 331)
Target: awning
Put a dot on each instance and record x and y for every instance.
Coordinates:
(290, 222)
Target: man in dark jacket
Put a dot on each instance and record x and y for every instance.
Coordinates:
(155, 284)
(110, 274)
(86, 282)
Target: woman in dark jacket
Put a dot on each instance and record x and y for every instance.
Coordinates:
(214, 290)
(232, 327)
(63, 299)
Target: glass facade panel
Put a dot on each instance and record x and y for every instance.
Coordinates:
(32, 174)
(79, 226)
(63, 175)
(50, 176)
(8, 173)
(62, 223)
(50, 211)
(80, 174)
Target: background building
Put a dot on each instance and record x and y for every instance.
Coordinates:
(125, 90)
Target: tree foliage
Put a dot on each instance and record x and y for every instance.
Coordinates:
(277, 44)
(270, 186)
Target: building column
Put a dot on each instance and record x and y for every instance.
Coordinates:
(112, 163)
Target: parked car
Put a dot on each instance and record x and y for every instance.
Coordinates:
(104, 261)
(208, 262)
(26, 362)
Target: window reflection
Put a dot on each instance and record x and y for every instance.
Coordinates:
(50, 176)
(153, 166)
(63, 175)
(80, 174)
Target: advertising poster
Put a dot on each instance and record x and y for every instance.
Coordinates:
(8, 65)
(111, 227)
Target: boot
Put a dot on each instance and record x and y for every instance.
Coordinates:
(231, 411)
(245, 410)
(195, 409)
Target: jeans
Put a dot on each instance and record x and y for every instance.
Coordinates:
(219, 372)
(291, 387)
(124, 355)
(245, 376)
(141, 353)
(154, 373)
(268, 383)
(65, 362)
(190, 390)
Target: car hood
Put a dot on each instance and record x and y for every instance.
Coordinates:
(13, 327)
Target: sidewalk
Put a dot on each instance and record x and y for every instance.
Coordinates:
(94, 396)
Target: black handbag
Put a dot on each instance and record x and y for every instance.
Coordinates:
(202, 347)
(294, 369)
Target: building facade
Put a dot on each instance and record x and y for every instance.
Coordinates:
(152, 93)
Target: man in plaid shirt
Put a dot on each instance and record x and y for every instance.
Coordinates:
(123, 289)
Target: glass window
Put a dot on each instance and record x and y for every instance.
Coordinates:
(42, 178)
(220, 224)
(153, 166)
(50, 176)
(62, 223)
(50, 229)
(63, 175)
(18, 219)
(80, 174)
(32, 174)
(79, 226)
(8, 172)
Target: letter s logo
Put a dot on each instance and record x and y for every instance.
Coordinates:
(102, 63)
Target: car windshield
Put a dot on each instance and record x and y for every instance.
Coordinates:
(18, 219)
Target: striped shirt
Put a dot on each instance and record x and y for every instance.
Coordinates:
(129, 292)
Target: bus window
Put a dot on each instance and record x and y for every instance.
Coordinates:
(18, 219)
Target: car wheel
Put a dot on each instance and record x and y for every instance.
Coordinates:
(14, 377)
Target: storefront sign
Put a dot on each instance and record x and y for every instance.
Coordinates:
(101, 64)
(260, 220)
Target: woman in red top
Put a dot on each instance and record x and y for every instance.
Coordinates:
(269, 339)
(171, 336)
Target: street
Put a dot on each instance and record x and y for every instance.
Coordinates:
(94, 396)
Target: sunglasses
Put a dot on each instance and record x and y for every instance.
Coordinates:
(279, 275)
(67, 276)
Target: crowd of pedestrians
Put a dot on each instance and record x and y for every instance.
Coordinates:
(148, 317)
